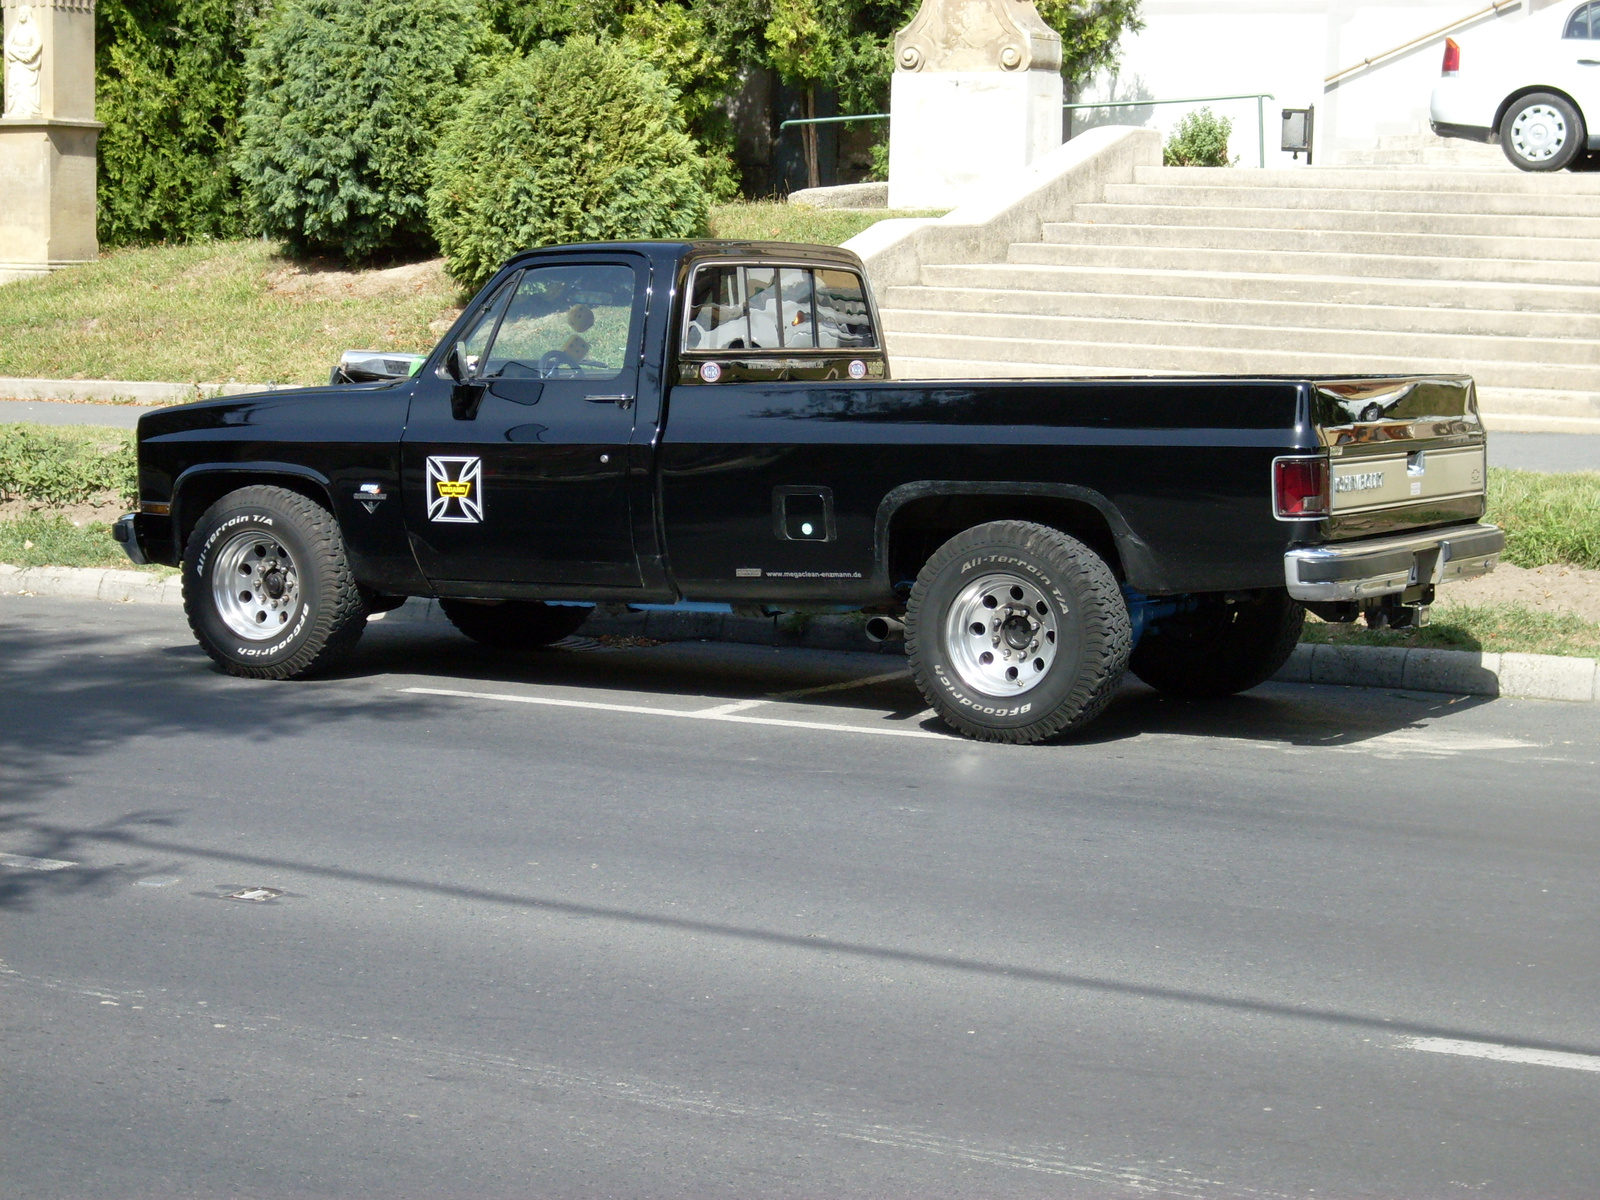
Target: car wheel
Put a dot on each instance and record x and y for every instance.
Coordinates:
(267, 585)
(1017, 632)
(1542, 132)
(515, 624)
(1223, 648)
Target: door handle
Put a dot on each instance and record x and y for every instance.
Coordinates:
(1589, 62)
(622, 402)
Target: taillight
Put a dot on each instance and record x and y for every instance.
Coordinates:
(1300, 487)
(1452, 57)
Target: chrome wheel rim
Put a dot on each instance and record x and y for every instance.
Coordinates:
(255, 586)
(1002, 634)
(1538, 133)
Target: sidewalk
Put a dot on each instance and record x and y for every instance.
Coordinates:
(1455, 672)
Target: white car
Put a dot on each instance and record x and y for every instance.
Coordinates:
(1533, 87)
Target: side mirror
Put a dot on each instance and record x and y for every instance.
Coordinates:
(455, 362)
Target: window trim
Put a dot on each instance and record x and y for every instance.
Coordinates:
(779, 351)
(1589, 11)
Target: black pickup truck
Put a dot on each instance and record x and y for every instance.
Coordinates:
(715, 423)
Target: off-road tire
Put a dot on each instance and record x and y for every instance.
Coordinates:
(329, 617)
(1222, 648)
(1087, 613)
(515, 624)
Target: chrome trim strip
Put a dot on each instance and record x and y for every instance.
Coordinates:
(1385, 566)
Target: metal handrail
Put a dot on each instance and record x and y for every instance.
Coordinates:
(1492, 10)
(832, 120)
(1260, 98)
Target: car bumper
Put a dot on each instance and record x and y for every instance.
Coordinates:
(126, 533)
(1389, 566)
(1472, 133)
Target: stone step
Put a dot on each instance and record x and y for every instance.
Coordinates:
(1237, 284)
(1389, 266)
(1225, 360)
(1437, 224)
(1388, 179)
(1472, 248)
(1571, 362)
(1551, 204)
(1276, 314)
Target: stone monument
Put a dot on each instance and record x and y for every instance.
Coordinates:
(976, 93)
(47, 137)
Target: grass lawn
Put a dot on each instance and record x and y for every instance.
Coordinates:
(1495, 628)
(1547, 518)
(47, 539)
(220, 312)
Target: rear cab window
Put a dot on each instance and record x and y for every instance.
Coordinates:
(766, 321)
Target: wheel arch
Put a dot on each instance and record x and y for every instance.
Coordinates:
(1529, 90)
(916, 518)
(201, 486)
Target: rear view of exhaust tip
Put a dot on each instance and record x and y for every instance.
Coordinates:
(885, 629)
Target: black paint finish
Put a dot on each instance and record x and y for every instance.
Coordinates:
(683, 492)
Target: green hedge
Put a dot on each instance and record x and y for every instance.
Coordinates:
(577, 142)
(343, 106)
(66, 464)
(169, 83)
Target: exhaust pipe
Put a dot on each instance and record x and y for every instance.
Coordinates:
(885, 629)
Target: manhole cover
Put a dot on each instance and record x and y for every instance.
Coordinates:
(255, 893)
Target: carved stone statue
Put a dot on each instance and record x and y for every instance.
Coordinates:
(975, 98)
(977, 35)
(24, 57)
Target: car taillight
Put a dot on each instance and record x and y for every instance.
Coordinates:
(1300, 487)
(1452, 57)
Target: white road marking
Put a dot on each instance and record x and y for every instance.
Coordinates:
(736, 706)
(704, 714)
(24, 863)
(1439, 742)
(1499, 1053)
(840, 687)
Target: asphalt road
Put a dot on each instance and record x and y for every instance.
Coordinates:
(624, 923)
(1524, 451)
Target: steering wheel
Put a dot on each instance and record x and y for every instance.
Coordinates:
(553, 361)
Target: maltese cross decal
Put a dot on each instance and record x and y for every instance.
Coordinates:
(455, 489)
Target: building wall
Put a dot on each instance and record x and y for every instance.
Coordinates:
(1289, 48)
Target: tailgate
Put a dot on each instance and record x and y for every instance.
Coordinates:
(1404, 453)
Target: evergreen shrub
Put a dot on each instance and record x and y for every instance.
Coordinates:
(1200, 140)
(577, 142)
(169, 83)
(342, 110)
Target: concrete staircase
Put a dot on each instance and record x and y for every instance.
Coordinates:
(1329, 271)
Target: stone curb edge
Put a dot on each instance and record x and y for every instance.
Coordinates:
(1461, 672)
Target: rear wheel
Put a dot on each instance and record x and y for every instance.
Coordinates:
(1542, 132)
(515, 624)
(267, 585)
(1223, 648)
(1017, 632)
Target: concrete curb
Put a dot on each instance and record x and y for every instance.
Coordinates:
(1460, 672)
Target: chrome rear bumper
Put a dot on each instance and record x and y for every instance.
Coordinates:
(1387, 566)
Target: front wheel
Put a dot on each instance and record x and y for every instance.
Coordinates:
(1017, 632)
(1225, 646)
(1542, 132)
(267, 585)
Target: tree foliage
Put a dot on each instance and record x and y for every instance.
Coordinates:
(169, 83)
(1091, 31)
(1200, 140)
(344, 103)
(578, 141)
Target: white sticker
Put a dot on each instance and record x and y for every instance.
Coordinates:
(858, 369)
(455, 489)
(710, 372)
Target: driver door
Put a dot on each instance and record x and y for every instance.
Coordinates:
(519, 472)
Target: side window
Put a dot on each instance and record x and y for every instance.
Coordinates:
(843, 320)
(717, 318)
(1585, 23)
(565, 322)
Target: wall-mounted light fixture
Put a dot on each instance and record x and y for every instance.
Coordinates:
(1298, 126)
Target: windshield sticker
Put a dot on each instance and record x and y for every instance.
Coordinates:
(455, 489)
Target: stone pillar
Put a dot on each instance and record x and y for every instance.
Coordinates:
(976, 94)
(47, 138)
